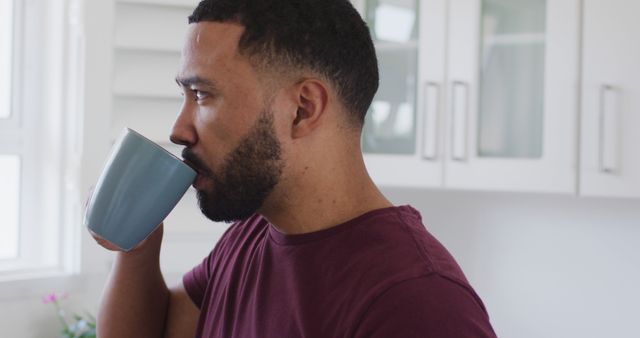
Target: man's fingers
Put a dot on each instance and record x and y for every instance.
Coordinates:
(155, 238)
(104, 243)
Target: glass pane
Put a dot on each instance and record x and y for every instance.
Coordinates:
(512, 78)
(390, 122)
(6, 33)
(9, 205)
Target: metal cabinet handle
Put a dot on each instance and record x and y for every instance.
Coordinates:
(608, 130)
(459, 101)
(430, 124)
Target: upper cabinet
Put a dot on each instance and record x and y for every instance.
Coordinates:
(512, 85)
(610, 124)
(394, 127)
(475, 94)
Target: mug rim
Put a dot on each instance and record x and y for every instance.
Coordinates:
(161, 148)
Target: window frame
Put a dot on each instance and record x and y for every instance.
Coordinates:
(10, 121)
(42, 129)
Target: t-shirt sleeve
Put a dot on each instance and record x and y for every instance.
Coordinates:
(430, 306)
(195, 281)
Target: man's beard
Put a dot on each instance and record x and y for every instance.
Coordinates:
(247, 176)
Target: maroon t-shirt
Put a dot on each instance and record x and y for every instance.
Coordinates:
(378, 275)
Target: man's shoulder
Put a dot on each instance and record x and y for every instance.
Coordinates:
(397, 244)
(431, 305)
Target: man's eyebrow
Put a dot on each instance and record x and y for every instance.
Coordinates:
(195, 80)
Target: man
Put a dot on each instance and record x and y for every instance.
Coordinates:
(275, 94)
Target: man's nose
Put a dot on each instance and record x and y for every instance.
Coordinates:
(183, 131)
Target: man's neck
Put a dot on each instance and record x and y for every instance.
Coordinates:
(334, 196)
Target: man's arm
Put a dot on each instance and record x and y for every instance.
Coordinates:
(183, 314)
(136, 301)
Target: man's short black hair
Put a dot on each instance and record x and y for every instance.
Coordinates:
(327, 37)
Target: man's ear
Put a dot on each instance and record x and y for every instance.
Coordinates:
(312, 96)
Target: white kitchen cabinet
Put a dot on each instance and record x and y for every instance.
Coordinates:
(512, 80)
(395, 125)
(610, 141)
(493, 103)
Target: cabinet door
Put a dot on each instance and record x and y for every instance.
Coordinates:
(397, 130)
(512, 94)
(610, 155)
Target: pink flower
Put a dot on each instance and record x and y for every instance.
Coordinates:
(49, 298)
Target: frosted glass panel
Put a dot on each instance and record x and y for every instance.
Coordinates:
(390, 122)
(512, 78)
(6, 34)
(9, 205)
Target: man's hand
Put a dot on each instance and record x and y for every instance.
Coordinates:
(136, 301)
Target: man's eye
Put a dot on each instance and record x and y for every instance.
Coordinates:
(200, 95)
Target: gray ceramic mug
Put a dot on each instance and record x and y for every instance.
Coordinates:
(140, 184)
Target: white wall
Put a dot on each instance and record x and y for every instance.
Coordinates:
(545, 265)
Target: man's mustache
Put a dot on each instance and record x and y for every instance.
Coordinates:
(195, 162)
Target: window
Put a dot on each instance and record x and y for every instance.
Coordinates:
(33, 125)
(6, 40)
(9, 163)
(10, 194)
